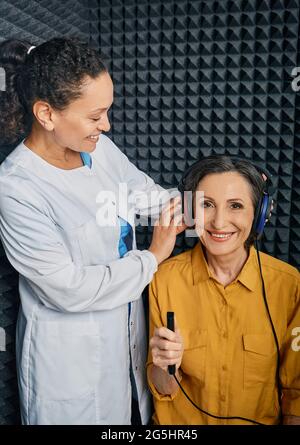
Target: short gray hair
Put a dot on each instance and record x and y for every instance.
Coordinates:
(222, 164)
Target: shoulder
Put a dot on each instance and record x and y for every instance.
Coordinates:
(11, 162)
(281, 278)
(278, 267)
(174, 267)
(15, 179)
(19, 163)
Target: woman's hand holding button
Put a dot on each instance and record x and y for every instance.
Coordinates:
(166, 347)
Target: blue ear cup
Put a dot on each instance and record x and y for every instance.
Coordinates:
(262, 214)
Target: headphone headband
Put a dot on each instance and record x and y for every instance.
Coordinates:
(234, 159)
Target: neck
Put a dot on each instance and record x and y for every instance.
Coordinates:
(227, 267)
(43, 144)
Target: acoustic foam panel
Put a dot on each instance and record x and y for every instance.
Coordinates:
(191, 78)
(198, 77)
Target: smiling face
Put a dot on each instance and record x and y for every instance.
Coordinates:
(228, 212)
(78, 126)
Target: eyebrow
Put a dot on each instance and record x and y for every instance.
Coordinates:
(99, 109)
(229, 200)
(102, 109)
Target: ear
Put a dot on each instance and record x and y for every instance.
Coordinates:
(44, 114)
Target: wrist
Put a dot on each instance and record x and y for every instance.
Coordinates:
(170, 378)
(164, 382)
(178, 375)
(173, 385)
(157, 256)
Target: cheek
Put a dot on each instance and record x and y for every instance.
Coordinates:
(207, 216)
(244, 222)
(67, 128)
(70, 133)
(202, 221)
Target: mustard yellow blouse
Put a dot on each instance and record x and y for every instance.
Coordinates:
(229, 360)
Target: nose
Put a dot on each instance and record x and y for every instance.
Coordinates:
(219, 218)
(104, 124)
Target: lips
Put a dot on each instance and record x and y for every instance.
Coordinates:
(93, 138)
(220, 236)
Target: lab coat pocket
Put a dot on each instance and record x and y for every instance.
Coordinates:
(98, 244)
(194, 356)
(259, 359)
(64, 359)
(81, 411)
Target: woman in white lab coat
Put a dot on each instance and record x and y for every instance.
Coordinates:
(81, 341)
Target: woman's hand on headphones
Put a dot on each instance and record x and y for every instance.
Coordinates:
(272, 203)
(169, 224)
(271, 209)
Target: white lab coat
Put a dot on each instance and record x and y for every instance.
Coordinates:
(72, 332)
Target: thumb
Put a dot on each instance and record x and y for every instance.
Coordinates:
(176, 327)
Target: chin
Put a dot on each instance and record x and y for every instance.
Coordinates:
(89, 148)
(221, 249)
(218, 251)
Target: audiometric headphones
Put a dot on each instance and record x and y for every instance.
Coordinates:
(263, 209)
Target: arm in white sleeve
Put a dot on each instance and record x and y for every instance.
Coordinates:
(37, 251)
(148, 196)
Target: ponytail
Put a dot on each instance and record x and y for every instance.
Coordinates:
(53, 72)
(15, 121)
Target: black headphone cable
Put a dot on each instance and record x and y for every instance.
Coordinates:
(273, 330)
(213, 415)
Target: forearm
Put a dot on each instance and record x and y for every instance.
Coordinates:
(163, 381)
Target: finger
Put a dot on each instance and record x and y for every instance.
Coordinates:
(166, 345)
(153, 342)
(172, 356)
(175, 323)
(164, 363)
(180, 229)
(165, 217)
(159, 339)
(178, 218)
(168, 212)
(166, 334)
(176, 329)
(174, 202)
(167, 355)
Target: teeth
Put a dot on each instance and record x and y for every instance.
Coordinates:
(93, 137)
(217, 235)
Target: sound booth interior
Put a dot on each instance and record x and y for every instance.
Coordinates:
(191, 78)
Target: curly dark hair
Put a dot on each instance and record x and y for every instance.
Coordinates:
(53, 71)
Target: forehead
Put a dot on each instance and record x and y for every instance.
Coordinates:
(228, 185)
(95, 94)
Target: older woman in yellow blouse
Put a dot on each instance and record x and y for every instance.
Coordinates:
(223, 345)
